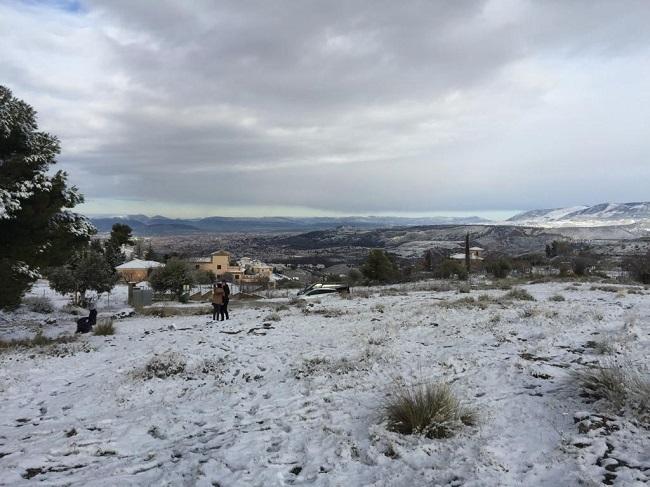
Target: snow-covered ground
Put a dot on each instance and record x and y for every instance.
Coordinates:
(298, 401)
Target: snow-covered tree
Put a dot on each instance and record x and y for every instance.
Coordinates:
(173, 277)
(37, 228)
(86, 271)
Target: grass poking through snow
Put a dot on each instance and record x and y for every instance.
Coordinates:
(432, 410)
(104, 328)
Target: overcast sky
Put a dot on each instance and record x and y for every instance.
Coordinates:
(193, 108)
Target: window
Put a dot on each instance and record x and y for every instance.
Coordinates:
(236, 276)
(197, 266)
(218, 266)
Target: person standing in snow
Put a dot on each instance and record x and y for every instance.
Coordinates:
(226, 298)
(217, 302)
(84, 325)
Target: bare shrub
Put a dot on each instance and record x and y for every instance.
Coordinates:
(281, 307)
(297, 302)
(326, 312)
(209, 366)
(339, 366)
(557, 297)
(272, 317)
(165, 365)
(464, 289)
(391, 291)
(529, 312)
(39, 304)
(377, 340)
(519, 294)
(504, 285)
(432, 410)
(380, 308)
(104, 327)
(607, 289)
(465, 302)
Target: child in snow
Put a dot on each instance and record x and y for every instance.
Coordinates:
(84, 325)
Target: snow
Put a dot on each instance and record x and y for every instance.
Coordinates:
(298, 401)
(139, 264)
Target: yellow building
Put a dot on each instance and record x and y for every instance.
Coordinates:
(219, 263)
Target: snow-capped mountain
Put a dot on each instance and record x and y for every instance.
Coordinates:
(596, 215)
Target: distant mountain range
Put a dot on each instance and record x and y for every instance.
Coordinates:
(143, 225)
(603, 214)
(635, 214)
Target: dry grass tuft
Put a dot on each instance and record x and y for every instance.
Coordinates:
(618, 385)
(104, 327)
(557, 297)
(39, 340)
(431, 410)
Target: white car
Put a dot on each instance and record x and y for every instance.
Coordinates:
(320, 288)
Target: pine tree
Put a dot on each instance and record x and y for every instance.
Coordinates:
(114, 254)
(379, 267)
(120, 235)
(37, 229)
(428, 260)
(150, 254)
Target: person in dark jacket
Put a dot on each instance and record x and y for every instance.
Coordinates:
(226, 299)
(217, 302)
(84, 325)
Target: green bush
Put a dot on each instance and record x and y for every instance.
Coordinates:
(450, 268)
(500, 268)
(639, 267)
(580, 266)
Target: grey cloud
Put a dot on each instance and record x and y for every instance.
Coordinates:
(386, 106)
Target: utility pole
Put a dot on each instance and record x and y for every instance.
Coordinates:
(467, 255)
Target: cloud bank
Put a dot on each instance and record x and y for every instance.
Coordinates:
(348, 107)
